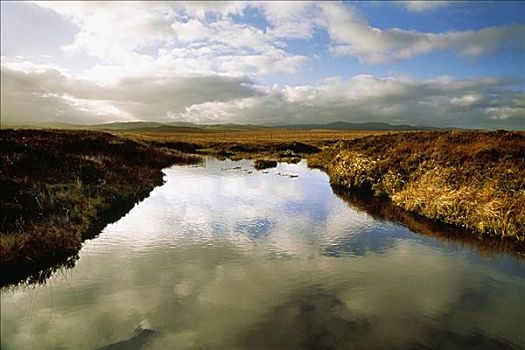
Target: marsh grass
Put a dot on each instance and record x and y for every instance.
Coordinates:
(382, 209)
(254, 138)
(61, 187)
(262, 144)
(471, 179)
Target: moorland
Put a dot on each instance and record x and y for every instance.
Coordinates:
(60, 187)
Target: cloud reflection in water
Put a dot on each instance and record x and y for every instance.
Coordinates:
(227, 259)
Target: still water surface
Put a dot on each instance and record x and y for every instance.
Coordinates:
(226, 257)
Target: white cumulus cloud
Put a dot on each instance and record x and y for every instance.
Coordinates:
(353, 36)
(215, 62)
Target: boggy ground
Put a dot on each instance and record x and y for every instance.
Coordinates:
(471, 179)
(273, 144)
(61, 187)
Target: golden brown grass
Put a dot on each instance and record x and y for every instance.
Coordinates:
(259, 137)
(383, 209)
(60, 187)
(471, 179)
(276, 144)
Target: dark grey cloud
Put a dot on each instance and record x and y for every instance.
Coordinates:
(47, 94)
(484, 103)
(50, 95)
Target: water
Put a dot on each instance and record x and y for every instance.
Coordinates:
(222, 257)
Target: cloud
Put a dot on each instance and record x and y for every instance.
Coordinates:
(353, 36)
(420, 6)
(47, 94)
(110, 30)
(293, 19)
(466, 100)
(130, 34)
(206, 62)
(504, 113)
(42, 93)
(141, 35)
(442, 102)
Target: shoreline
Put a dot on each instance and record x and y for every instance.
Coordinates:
(471, 180)
(38, 268)
(63, 187)
(382, 208)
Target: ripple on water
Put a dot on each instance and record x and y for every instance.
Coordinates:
(219, 257)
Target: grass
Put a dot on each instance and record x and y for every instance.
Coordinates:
(61, 187)
(471, 179)
(275, 144)
(382, 209)
(256, 137)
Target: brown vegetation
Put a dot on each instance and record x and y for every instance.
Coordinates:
(260, 164)
(255, 137)
(60, 187)
(471, 179)
(279, 144)
(382, 209)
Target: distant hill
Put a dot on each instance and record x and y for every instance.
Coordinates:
(125, 126)
(184, 127)
(357, 126)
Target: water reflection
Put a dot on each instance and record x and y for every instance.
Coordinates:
(382, 209)
(227, 259)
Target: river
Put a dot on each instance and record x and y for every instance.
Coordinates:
(226, 257)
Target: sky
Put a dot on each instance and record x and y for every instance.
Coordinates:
(444, 64)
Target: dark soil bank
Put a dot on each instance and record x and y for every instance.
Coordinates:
(61, 187)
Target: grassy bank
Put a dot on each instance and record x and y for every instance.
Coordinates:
(61, 187)
(254, 138)
(474, 180)
(279, 145)
(382, 209)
